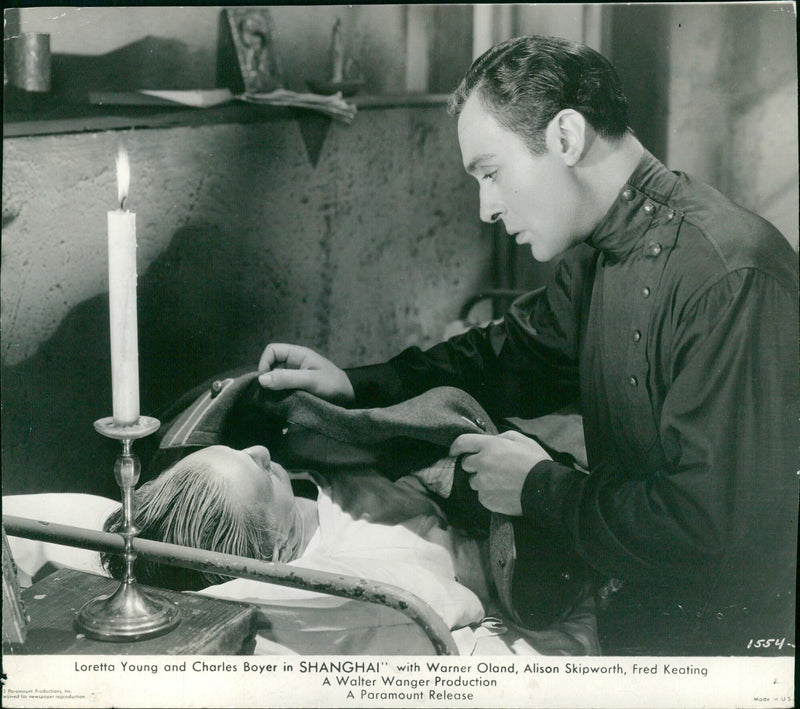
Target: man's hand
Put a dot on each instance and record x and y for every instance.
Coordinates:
(295, 367)
(500, 465)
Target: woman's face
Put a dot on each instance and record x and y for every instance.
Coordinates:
(257, 483)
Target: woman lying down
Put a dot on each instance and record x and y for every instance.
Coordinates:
(242, 502)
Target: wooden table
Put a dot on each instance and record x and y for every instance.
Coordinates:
(208, 626)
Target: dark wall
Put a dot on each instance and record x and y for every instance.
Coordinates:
(639, 49)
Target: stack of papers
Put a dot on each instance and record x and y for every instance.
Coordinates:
(334, 105)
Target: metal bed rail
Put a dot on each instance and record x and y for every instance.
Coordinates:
(350, 587)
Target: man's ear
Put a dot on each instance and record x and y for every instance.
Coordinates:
(569, 136)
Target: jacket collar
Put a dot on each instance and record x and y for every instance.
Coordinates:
(641, 202)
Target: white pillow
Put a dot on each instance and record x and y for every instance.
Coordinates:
(73, 509)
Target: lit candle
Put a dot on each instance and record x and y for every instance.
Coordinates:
(122, 303)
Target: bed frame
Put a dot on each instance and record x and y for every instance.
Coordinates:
(350, 587)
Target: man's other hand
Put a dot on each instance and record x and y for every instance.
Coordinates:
(500, 465)
(285, 366)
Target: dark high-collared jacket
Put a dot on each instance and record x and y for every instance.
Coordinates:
(675, 325)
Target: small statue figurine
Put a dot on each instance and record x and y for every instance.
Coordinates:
(345, 76)
(337, 53)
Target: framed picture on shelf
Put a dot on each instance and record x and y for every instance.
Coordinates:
(248, 60)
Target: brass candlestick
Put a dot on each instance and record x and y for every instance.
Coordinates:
(129, 613)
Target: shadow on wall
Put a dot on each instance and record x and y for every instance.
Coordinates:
(191, 316)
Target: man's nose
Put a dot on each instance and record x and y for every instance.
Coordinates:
(490, 208)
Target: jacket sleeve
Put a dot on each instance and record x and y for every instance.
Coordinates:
(726, 496)
(524, 366)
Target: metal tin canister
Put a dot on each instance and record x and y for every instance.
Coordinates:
(28, 61)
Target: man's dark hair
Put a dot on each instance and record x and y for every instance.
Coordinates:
(525, 82)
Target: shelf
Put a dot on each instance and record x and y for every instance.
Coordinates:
(51, 118)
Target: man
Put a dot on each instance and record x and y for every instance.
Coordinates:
(671, 315)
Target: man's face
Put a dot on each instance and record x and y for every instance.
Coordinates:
(536, 196)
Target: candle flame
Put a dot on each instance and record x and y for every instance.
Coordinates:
(123, 175)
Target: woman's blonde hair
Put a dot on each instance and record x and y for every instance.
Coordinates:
(189, 504)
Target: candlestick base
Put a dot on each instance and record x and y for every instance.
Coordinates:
(128, 614)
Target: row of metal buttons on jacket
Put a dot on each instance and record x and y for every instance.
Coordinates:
(654, 250)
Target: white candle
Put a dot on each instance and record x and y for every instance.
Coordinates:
(122, 303)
